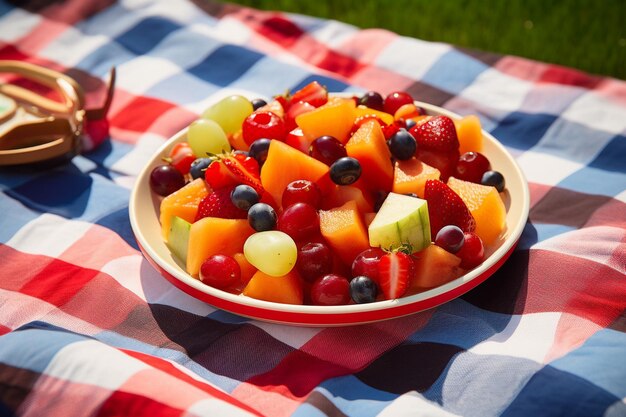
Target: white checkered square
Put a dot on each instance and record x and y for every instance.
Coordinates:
(500, 91)
(141, 73)
(72, 46)
(546, 169)
(597, 112)
(410, 57)
(17, 24)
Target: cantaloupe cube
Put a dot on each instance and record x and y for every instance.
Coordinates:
(410, 176)
(343, 229)
(215, 236)
(434, 266)
(286, 289)
(486, 206)
(334, 118)
(470, 134)
(369, 147)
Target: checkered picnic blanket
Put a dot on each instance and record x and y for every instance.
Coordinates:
(89, 328)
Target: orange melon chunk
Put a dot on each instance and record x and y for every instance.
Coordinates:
(410, 176)
(434, 266)
(369, 147)
(363, 111)
(285, 164)
(343, 229)
(486, 206)
(182, 203)
(341, 194)
(470, 134)
(212, 236)
(286, 289)
(334, 118)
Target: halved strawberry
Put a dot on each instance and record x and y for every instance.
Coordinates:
(218, 204)
(233, 169)
(313, 93)
(395, 270)
(437, 134)
(446, 207)
(181, 156)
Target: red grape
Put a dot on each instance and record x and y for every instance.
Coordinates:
(165, 179)
(373, 100)
(366, 263)
(471, 166)
(327, 149)
(396, 100)
(302, 191)
(220, 271)
(314, 260)
(450, 238)
(299, 221)
(330, 290)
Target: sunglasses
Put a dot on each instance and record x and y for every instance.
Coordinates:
(35, 128)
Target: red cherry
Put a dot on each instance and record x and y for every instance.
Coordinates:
(314, 260)
(396, 100)
(366, 263)
(471, 166)
(220, 271)
(263, 125)
(472, 253)
(302, 191)
(299, 221)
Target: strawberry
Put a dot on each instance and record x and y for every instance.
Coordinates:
(218, 204)
(181, 156)
(446, 207)
(395, 270)
(233, 169)
(313, 93)
(437, 134)
(295, 110)
(445, 162)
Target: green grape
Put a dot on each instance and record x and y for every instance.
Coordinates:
(207, 137)
(271, 252)
(230, 112)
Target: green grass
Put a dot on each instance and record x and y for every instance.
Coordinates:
(586, 34)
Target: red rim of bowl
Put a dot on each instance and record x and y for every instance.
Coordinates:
(306, 315)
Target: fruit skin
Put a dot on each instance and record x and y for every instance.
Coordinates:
(314, 260)
(302, 191)
(257, 103)
(212, 236)
(363, 290)
(437, 134)
(263, 124)
(343, 229)
(286, 289)
(327, 149)
(285, 164)
(178, 238)
(182, 203)
(402, 145)
(229, 112)
(299, 221)
(446, 207)
(368, 146)
(231, 169)
(410, 176)
(366, 263)
(486, 206)
(198, 166)
(243, 197)
(434, 266)
(219, 204)
(401, 221)
(272, 252)
(258, 150)
(396, 100)
(395, 270)
(473, 252)
(373, 100)
(220, 271)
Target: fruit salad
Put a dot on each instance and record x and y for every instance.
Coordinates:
(317, 199)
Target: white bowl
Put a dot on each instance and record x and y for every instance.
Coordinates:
(144, 218)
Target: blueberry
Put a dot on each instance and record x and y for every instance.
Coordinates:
(257, 103)
(262, 217)
(402, 145)
(363, 290)
(258, 150)
(494, 179)
(243, 196)
(345, 171)
(198, 167)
